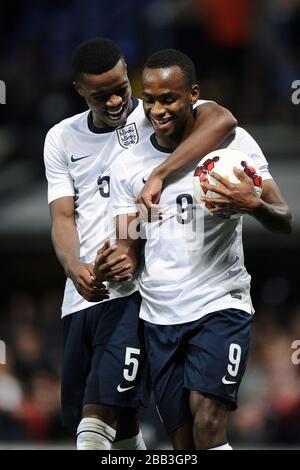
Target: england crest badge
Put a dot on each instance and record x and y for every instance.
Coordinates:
(128, 135)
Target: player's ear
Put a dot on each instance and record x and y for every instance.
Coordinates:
(125, 65)
(78, 87)
(195, 93)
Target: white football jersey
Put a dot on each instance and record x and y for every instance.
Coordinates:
(78, 158)
(194, 262)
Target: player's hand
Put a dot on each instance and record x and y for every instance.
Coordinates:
(148, 199)
(108, 268)
(235, 197)
(86, 283)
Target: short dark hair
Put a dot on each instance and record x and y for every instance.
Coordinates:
(172, 57)
(97, 55)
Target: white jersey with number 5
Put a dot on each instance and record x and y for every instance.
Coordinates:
(194, 263)
(78, 158)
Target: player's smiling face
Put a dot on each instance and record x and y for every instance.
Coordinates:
(168, 102)
(107, 94)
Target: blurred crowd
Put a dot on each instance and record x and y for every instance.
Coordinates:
(269, 411)
(246, 54)
(29, 380)
(246, 51)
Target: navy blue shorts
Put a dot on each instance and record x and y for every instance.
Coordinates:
(208, 355)
(103, 357)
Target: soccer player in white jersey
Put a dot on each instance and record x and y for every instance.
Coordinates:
(103, 348)
(196, 305)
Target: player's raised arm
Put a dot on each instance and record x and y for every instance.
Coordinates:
(212, 125)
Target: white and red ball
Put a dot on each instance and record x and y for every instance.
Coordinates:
(222, 162)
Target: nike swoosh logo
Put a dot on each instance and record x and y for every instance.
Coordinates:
(73, 159)
(227, 382)
(121, 389)
(144, 180)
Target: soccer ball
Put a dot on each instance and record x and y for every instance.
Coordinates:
(222, 162)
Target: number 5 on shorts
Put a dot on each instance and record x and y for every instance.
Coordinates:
(128, 373)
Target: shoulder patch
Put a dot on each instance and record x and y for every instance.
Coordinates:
(128, 135)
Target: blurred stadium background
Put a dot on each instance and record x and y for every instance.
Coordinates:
(247, 54)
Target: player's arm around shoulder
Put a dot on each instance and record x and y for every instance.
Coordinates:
(213, 124)
(272, 210)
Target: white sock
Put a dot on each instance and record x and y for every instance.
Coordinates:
(94, 434)
(224, 446)
(133, 443)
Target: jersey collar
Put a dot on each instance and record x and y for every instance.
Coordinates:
(159, 147)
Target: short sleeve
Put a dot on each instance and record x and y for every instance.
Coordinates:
(122, 197)
(251, 147)
(60, 183)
